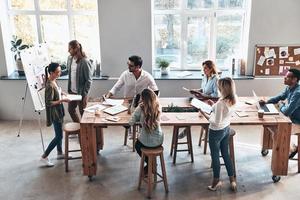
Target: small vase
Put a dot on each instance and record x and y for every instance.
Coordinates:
(20, 68)
(165, 71)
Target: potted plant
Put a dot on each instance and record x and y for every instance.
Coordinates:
(16, 48)
(163, 65)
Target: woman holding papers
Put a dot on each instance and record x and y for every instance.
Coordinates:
(209, 88)
(219, 122)
(148, 114)
(54, 111)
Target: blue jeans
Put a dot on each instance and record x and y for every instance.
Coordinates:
(219, 140)
(57, 140)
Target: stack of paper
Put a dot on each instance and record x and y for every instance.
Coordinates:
(73, 97)
(201, 105)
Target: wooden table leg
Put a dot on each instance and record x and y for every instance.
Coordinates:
(88, 149)
(280, 150)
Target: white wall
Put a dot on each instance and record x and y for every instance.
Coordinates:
(273, 22)
(125, 29)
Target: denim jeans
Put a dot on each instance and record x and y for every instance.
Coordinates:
(219, 140)
(57, 140)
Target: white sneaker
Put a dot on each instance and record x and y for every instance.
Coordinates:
(46, 162)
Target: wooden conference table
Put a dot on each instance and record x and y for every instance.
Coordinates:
(276, 135)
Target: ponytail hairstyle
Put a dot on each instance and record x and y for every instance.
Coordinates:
(150, 109)
(227, 89)
(50, 68)
(74, 44)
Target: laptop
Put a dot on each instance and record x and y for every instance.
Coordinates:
(268, 108)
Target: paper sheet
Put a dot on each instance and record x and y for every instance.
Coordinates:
(93, 108)
(201, 105)
(73, 97)
(283, 52)
(267, 71)
(184, 73)
(261, 60)
(297, 51)
(113, 102)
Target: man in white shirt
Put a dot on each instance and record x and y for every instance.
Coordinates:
(134, 80)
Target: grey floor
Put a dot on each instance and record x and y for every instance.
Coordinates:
(22, 176)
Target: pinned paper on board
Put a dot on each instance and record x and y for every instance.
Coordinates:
(291, 59)
(281, 62)
(267, 71)
(270, 62)
(269, 53)
(261, 60)
(283, 70)
(297, 62)
(283, 52)
(297, 51)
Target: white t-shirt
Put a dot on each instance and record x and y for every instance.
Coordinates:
(221, 115)
(73, 76)
(133, 86)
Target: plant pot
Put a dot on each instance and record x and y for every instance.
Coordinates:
(20, 68)
(165, 71)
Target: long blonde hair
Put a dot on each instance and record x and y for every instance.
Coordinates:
(150, 109)
(210, 65)
(227, 89)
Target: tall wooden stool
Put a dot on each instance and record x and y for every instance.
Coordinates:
(152, 168)
(70, 128)
(175, 143)
(203, 138)
(296, 131)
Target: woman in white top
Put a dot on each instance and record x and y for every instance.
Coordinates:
(148, 114)
(219, 122)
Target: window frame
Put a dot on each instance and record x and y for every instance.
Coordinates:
(212, 14)
(37, 13)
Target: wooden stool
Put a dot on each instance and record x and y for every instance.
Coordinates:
(70, 128)
(135, 129)
(175, 142)
(296, 131)
(203, 132)
(152, 168)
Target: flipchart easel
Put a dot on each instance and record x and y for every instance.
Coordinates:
(34, 60)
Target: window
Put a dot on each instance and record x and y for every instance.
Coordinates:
(187, 32)
(56, 22)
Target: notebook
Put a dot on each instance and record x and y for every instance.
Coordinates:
(269, 109)
(115, 109)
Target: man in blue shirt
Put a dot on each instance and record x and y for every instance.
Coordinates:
(291, 96)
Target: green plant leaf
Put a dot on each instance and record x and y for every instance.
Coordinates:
(15, 56)
(19, 42)
(24, 46)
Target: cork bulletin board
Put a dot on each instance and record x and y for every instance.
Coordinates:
(271, 60)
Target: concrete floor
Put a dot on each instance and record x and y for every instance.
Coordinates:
(22, 176)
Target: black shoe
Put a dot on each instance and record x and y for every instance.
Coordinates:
(146, 170)
(293, 153)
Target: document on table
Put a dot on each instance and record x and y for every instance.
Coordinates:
(113, 102)
(93, 108)
(115, 109)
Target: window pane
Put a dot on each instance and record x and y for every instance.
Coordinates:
(166, 4)
(196, 4)
(231, 3)
(167, 38)
(55, 33)
(53, 5)
(87, 33)
(25, 28)
(84, 4)
(229, 29)
(198, 29)
(22, 4)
